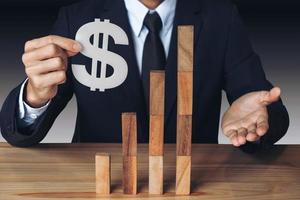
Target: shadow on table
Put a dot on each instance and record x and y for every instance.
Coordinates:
(233, 166)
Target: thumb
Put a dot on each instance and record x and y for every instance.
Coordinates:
(71, 53)
(271, 96)
(77, 47)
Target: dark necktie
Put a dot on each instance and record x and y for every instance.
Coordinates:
(154, 57)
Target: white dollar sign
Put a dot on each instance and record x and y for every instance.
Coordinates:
(106, 57)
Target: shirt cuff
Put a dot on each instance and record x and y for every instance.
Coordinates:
(27, 114)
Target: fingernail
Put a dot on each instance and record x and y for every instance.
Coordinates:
(77, 46)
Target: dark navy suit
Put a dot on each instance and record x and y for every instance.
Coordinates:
(224, 60)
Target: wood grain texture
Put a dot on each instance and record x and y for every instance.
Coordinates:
(157, 92)
(156, 181)
(102, 169)
(156, 135)
(184, 135)
(129, 134)
(185, 93)
(183, 175)
(130, 175)
(185, 48)
(67, 171)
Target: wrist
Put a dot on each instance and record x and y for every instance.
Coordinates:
(32, 98)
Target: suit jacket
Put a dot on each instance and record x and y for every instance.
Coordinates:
(224, 60)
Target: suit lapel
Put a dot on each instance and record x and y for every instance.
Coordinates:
(187, 13)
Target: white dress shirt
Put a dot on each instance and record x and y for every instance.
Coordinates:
(136, 14)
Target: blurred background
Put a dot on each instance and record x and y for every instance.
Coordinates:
(273, 25)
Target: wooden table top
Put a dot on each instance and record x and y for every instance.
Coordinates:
(64, 171)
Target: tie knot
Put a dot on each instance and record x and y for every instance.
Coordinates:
(153, 22)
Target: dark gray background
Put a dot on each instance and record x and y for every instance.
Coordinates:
(274, 28)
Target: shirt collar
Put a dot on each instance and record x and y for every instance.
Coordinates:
(138, 12)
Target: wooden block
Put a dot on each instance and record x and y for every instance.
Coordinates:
(184, 135)
(185, 93)
(102, 169)
(129, 134)
(156, 133)
(130, 174)
(183, 175)
(185, 48)
(157, 92)
(156, 175)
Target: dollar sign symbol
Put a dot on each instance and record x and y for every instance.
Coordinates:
(119, 65)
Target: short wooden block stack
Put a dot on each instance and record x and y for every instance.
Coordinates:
(129, 138)
(102, 173)
(156, 131)
(184, 109)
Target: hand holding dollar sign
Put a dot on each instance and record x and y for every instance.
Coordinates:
(45, 61)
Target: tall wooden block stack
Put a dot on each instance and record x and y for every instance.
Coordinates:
(156, 132)
(129, 138)
(184, 109)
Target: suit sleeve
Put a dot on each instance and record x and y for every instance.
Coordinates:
(35, 133)
(243, 73)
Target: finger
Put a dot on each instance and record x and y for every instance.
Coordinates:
(252, 128)
(268, 97)
(71, 46)
(242, 133)
(262, 125)
(252, 136)
(49, 79)
(43, 53)
(46, 66)
(232, 134)
(275, 94)
(235, 125)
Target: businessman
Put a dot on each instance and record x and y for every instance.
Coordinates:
(224, 60)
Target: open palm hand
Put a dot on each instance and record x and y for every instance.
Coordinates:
(247, 118)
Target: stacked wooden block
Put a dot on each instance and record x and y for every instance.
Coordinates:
(184, 108)
(102, 174)
(156, 130)
(129, 137)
